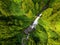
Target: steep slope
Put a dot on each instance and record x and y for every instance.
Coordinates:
(16, 15)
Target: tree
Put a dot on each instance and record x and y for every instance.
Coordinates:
(17, 15)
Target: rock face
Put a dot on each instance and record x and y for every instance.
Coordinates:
(17, 15)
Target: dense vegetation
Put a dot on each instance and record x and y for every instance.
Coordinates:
(17, 15)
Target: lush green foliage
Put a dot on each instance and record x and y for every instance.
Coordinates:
(17, 15)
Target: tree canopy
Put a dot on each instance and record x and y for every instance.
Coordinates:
(17, 15)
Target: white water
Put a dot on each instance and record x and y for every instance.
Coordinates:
(35, 22)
